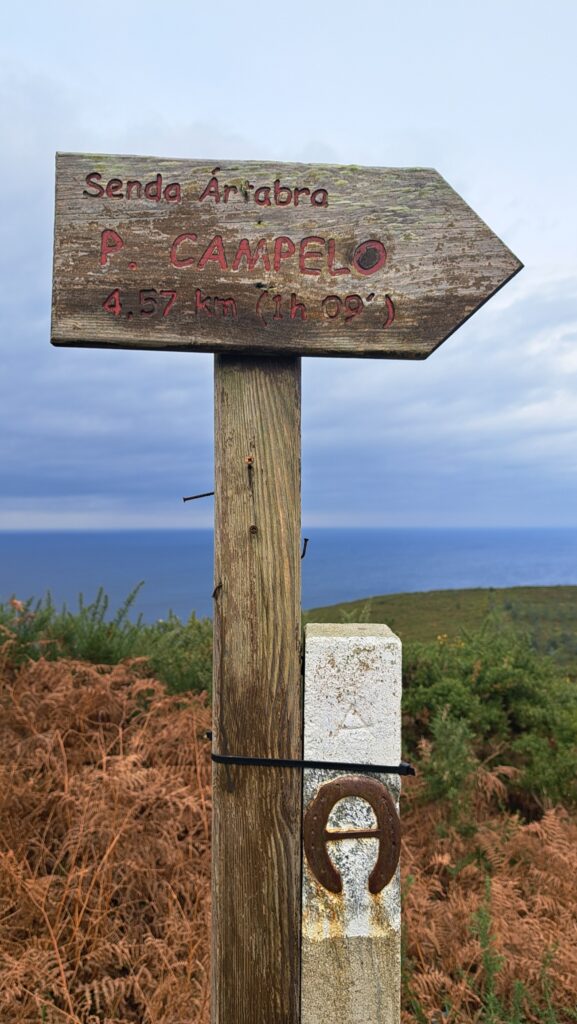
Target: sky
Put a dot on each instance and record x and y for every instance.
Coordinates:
(483, 433)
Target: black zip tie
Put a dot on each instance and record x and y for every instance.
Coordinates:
(286, 762)
(305, 546)
(193, 497)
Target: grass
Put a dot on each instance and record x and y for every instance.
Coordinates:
(547, 615)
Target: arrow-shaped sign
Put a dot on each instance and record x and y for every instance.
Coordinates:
(266, 257)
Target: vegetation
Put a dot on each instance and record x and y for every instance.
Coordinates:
(489, 823)
(546, 615)
(105, 800)
(488, 699)
(104, 849)
(489, 912)
(178, 654)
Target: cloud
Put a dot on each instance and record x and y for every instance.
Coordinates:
(485, 431)
(491, 416)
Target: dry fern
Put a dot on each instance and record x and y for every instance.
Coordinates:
(105, 862)
(533, 908)
(104, 849)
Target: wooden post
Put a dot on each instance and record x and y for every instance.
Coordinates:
(257, 690)
(351, 939)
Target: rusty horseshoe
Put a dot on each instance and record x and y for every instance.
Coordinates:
(317, 835)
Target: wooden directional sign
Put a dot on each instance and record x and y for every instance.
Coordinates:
(266, 257)
(252, 260)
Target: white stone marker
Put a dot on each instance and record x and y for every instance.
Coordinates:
(351, 949)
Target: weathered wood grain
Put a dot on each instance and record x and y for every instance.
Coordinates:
(436, 261)
(257, 690)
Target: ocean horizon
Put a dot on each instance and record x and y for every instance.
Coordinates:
(341, 564)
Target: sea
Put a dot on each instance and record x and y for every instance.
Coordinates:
(176, 566)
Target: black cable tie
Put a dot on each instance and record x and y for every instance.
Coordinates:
(404, 768)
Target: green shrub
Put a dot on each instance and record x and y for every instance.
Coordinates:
(490, 697)
(178, 654)
(449, 768)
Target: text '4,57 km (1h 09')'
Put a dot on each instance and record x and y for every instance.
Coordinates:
(263, 257)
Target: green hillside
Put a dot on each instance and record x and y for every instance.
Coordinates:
(547, 614)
